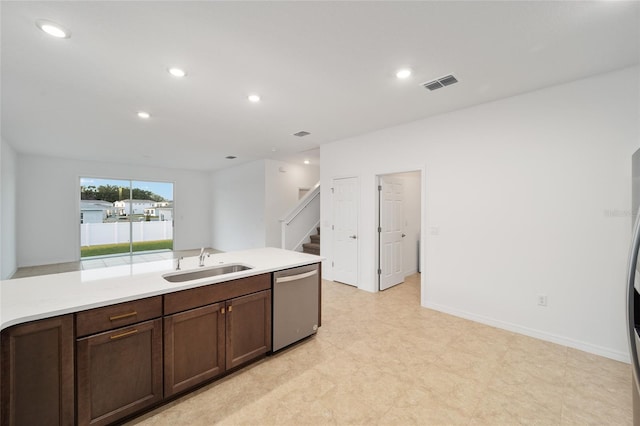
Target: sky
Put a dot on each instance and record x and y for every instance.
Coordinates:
(163, 189)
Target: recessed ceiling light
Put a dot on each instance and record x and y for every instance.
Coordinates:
(177, 72)
(306, 161)
(53, 29)
(143, 114)
(403, 73)
(254, 98)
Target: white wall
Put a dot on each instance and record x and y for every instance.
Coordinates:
(516, 194)
(237, 214)
(283, 181)
(8, 248)
(249, 200)
(2, 205)
(49, 194)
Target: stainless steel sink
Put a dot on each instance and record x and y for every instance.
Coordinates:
(211, 271)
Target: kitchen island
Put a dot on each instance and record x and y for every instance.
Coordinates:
(96, 346)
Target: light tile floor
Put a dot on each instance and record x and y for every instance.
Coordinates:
(105, 262)
(381, 359)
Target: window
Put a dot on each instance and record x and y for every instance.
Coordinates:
(119, 217)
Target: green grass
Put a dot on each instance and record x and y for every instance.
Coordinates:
(104, 249)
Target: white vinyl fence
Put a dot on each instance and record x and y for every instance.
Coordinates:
(92, 234)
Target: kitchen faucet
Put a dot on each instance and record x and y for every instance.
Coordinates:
(203, 254)
(178, 263)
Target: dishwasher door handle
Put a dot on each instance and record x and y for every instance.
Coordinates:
(296, 277)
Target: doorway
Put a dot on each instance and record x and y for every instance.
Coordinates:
(399, 227)
(345, 230)
(122, 217)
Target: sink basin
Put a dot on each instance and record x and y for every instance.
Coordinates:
(211, 271)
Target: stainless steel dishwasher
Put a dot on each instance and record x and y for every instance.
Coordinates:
(296, 304)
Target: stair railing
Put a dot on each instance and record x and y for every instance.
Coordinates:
(301, 221)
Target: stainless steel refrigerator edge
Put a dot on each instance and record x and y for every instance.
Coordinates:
(633, 289)
(296, 300)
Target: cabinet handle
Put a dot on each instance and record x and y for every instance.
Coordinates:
(126, 333)
(222, 311)
(230, 308)
(117, 317)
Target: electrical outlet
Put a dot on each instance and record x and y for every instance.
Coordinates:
(542, 300)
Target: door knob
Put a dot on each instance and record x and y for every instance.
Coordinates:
(404, 235)
(352, 237)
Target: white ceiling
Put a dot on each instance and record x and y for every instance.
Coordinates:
(324, 67)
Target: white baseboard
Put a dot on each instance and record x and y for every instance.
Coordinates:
(8, 277)
(549, 337)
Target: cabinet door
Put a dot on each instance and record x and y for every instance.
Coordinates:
(193, 347)
(37, 373)
(119, 372)
(248, 327)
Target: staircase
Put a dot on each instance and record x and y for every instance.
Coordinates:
(298, 224)
(314, 246)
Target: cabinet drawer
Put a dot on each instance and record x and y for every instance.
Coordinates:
(120, 315)
(196, 297)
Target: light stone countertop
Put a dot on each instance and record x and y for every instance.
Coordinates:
(45, 296)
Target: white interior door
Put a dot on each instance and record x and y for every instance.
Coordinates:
(391, 231)
(345, 230)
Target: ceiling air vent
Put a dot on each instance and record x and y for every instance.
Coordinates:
(433, 85)
(447, 80)
(301, 133)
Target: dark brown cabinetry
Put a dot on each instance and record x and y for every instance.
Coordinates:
(37, 373)
(98, 366)
(119, 371)
(114, 316)
(193, 347)
(248, 328)
(203, 342)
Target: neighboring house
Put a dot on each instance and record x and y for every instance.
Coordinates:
(127, 207)
(163, 210)
(94, 211)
